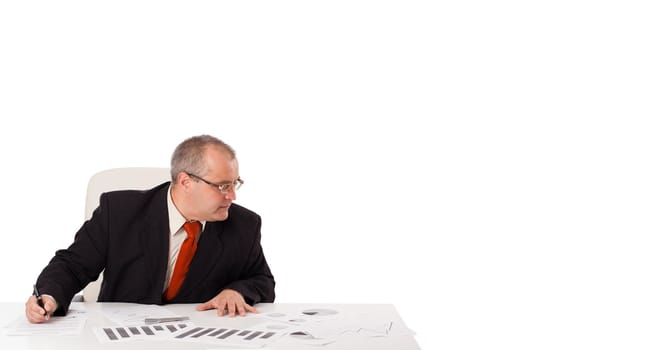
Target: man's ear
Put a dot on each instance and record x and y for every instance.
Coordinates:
(184, 180)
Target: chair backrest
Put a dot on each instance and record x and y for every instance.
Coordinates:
(117, 179)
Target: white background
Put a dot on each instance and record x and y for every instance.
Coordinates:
(479, 164)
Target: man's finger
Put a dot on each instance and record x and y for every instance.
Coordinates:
(50, 306)
(221, 308)
(205, 306)
(232, 308)
(251, 308)
(35, 314)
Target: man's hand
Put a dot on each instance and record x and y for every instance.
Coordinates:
(35, 313)
(228, 301)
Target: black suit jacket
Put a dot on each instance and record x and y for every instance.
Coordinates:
(128, 236)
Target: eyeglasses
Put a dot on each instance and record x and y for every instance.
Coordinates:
(223, 188)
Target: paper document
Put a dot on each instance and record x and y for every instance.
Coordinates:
(71, 324)
(134, 314)
(256, 336)
(142, 332)
(319, 326)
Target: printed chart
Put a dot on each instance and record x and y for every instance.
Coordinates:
(258, 336)
(144, 332)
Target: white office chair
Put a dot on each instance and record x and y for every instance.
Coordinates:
(117, 179)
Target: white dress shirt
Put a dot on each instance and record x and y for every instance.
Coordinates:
(177, 235)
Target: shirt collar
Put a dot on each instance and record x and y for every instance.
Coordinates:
(175, 219)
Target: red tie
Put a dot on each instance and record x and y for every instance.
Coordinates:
(186, 252)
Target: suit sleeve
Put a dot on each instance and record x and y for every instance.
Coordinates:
(257, 284)
(71, 269)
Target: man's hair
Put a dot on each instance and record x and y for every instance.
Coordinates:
(188, 156)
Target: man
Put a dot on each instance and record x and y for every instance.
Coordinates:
(180, 242)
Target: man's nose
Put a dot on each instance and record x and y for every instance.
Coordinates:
(231, 194)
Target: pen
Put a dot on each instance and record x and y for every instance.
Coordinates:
(165, 319)
(40, 299)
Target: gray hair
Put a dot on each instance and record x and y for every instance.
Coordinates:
(188, 156)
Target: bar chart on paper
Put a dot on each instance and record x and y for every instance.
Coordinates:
(142, 332)
(187, 332)
(241, 337)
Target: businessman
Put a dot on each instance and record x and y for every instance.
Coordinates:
(184, 241)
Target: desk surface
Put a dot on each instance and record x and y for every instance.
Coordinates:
(9, 312)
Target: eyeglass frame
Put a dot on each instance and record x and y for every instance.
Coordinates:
(223, 188)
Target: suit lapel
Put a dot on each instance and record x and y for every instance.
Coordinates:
(155, 240)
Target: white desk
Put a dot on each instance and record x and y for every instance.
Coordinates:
(87, 340)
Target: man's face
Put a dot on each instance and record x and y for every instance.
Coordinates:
(210, 203)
